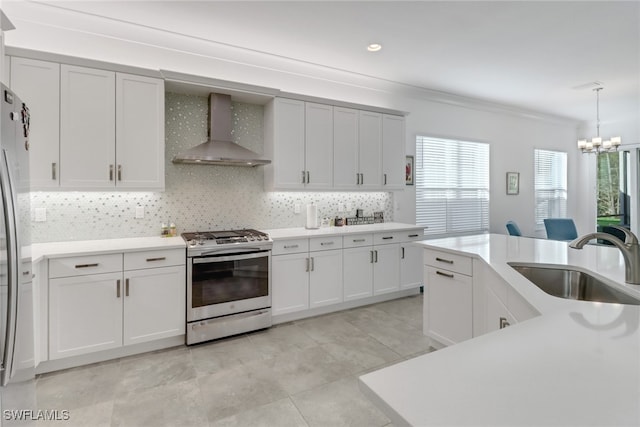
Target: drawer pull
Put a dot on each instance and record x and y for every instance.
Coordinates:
(326, 243)
(86, 265)
(118, 288)
(291, 246)
(359, 240)
(162, 258)
(448, 261)
(413, 235)
(440, 273)
(387, 238)
(126, 287)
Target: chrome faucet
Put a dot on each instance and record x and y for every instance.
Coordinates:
(630, 251)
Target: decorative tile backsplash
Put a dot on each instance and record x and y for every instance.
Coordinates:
(196, 197)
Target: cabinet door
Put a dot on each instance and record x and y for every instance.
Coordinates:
(386, 268)
(290, 286)
(139, 132)
(85, 314)
(325, 278)
(38, 85)
(370, 149)
(154, 304)
(357, 273)
(410, 266)
(288, 146)
(496, 314)
(319, 146)
(393, 152)
(345, 153)
(87, 128)
(447, 306)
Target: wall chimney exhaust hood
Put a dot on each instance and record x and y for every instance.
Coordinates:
(220, 148)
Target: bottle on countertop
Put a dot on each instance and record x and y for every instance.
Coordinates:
(172, 230)
(164, 230)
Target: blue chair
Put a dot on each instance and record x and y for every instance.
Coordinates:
(513, 229)
(560, 229)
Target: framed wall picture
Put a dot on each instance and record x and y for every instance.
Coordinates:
(513, 183)
(408, 171)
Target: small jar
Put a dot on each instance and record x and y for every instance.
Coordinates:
(164, 230)
(172, 230)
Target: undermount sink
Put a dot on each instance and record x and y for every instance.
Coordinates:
(572, 284)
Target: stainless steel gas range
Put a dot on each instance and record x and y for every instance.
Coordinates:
(228, 283)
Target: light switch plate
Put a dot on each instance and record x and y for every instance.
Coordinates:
(296, 208)
(41, 214)
(139, 212)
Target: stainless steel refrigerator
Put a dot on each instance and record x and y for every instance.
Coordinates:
(17, 385)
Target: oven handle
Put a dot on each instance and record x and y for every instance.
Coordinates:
(233, 257)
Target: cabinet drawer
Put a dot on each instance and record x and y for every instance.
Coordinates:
(357, 240)
(389, 237)
(293, 246)
(452, 262)
(81, 266)
(325, 243)
(411, 235)
(152, 259)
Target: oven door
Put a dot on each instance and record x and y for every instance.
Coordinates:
(218, 285)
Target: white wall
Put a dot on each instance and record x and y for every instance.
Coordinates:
(512, 134)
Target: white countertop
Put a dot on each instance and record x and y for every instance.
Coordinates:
(301, 232)
(577, 364)
(105, 246)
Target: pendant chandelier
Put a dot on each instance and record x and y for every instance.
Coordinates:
(597, 145)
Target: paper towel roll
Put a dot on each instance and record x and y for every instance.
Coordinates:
(312, 216)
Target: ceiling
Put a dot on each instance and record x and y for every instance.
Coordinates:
(537, 55)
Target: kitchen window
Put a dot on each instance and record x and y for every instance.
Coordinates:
(452, 186)
(550, 185)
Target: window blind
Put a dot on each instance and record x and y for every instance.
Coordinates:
(550, 185)
(452, 186)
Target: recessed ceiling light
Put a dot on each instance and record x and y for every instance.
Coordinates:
(374, 47)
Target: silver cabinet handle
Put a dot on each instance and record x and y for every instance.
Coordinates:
(402, 253)
(362, 178)
(308, 265)
(387, 238)
(290, 246)
(357, 179)
(313, 264)
(54, 173)
(119, 172)
(308, 177)
(304, 176)
(440, 273)
(126, 287)
(413, 235)
(376, 255)
(359, 240)
(371, 252)
(162, 258)
(86, 265)
(326, 243)
(385, 179)
(504, 323)
(110, 172)
(118, 288)
(447, 261)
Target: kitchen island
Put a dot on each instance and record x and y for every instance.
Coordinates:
(578, 363)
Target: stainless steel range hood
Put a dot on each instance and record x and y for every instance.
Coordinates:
(220, 148)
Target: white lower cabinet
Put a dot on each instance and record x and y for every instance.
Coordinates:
(386, 268)
(448, 297)
(290, 283)
(85, 314)
(325, 278)
(410, 266)
(110, 309)
(357, 273)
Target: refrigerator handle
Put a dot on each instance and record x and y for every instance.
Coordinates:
(13, 267)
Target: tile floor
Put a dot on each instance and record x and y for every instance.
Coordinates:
(302, 373)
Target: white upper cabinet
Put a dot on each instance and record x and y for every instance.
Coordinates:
(139, 132)
(345, 153)
(393, 153)
(284, 142)
(318, 146)
(43, 101)
(370, 150)
(327, 147)
(87, 127)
